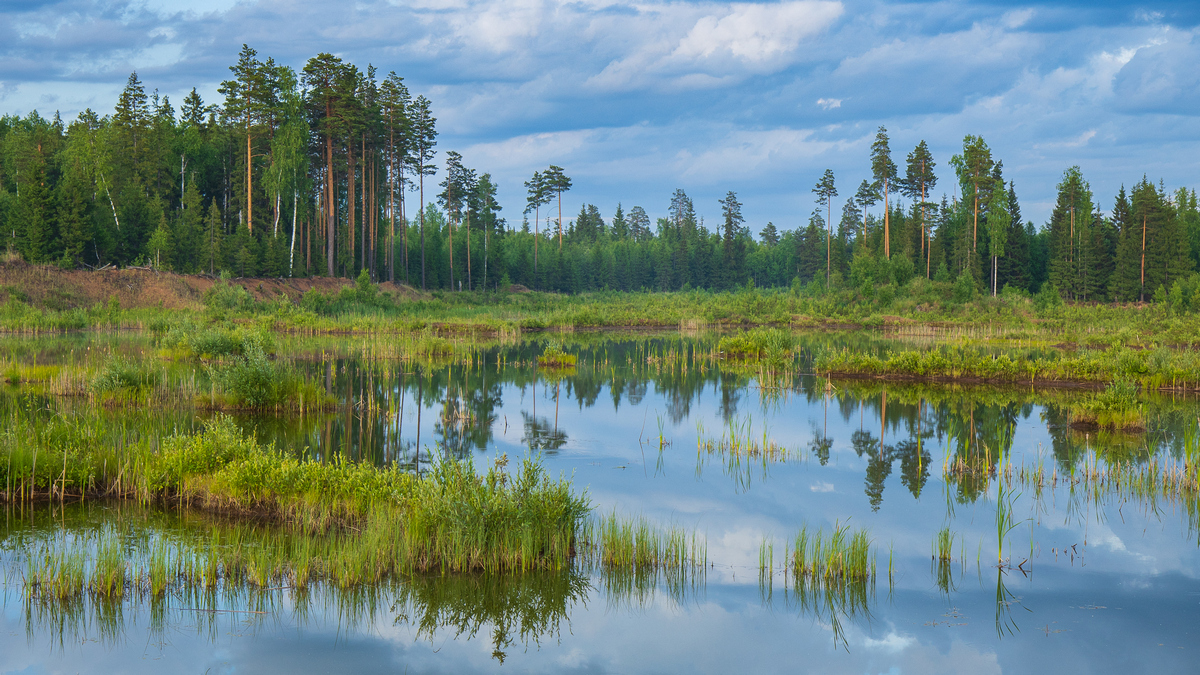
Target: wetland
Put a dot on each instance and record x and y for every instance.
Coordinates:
(224, 497)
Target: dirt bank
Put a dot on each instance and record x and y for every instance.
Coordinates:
(50, 287)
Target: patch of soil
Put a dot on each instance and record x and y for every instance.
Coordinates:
(50, 287)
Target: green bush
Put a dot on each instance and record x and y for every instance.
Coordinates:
(226, 296)
(119, 375)
(964, 288)
(252, 380)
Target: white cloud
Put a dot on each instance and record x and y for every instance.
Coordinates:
(722, 43)
(1017, 17)
(756, 34)
(829, 103)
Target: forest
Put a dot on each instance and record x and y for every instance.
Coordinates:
(314, 173)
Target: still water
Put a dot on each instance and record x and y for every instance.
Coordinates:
(1091, 580)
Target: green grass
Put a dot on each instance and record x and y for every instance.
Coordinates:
(451, 519)
(1117, 407)
(1158, 369)
(838, 558)
(943, 545)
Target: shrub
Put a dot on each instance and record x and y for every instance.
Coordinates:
(227, 296)
(121, 375)
(252, 380)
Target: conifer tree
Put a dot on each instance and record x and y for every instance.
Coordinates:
(919, 180)
(884, 171)
(826, 191)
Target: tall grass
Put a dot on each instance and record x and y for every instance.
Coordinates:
(452, 518)
(943, 545)
(1157, 369)
(740, 451)
(837, 559)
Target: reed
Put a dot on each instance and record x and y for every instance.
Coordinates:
(613, 541)
(451, 518)
(943, 545)
(110, 569)
(838, 558)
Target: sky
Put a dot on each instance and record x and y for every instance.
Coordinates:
(635, 99)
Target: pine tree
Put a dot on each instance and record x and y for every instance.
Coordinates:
(424, 135)
(884, 171)
(1070, 224)
(826, 191)
(620, 228)
(1167, 255)
(769, 235)
(34, 218)
(557, 183)
(974, 168)
(919, 181)
(160, 249)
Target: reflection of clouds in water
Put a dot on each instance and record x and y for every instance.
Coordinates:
(892, 642)
(821, 487)
(961, 658)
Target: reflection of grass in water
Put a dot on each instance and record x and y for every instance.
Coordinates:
(634, 557)
(830, 575)
(1117, 407)
(517, 608)
(943, 555)
(943, 544)
(614, 541)
(451, 518)
(741, 452)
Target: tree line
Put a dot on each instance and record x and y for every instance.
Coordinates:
(313, 172)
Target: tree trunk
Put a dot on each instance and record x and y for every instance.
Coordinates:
(249, 184)
(391, 179)
(292, 252)
(330, 216)
(887, 233)
(421, 210)
(351, 199)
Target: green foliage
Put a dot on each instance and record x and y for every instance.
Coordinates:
(1048, 298)
(119, 375)
(251, 380)
(226, 296)
(1117, 407)
(553, 356)
(772, 345)
(964, 288)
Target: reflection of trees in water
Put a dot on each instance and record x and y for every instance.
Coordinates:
(467, 416)
(820, 445)
(541, 434)
(524, 608)
(462, 397)
(731, 388)
(633, 390)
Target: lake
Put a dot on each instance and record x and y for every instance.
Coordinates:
(1059, 557)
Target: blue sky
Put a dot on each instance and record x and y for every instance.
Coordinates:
(635, 99)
